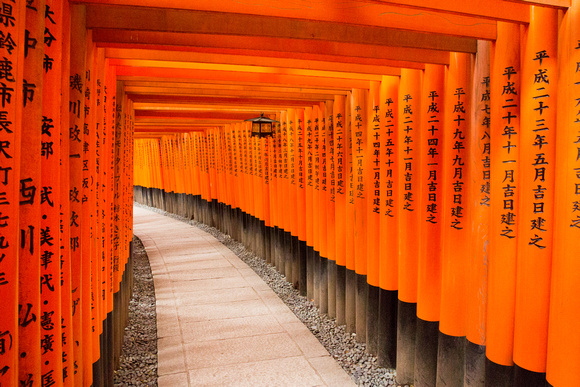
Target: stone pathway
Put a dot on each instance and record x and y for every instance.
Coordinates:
(218, 323)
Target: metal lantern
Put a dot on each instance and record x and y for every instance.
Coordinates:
(262, 126)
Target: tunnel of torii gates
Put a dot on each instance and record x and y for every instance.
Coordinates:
(422, 185)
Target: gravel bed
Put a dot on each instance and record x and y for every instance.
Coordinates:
(139, 356)
(351, 355)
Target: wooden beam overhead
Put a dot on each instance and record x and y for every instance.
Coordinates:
(375, 14)
(232, 76)
(104, 37)
(561, 4)
(250, 69)
(286, 63)
(192, 115)
(107, 39)
(498, 10)
(242, 103)
(353, 22)
(156, 94)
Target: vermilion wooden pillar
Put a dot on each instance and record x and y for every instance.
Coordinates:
(308, 207)
(325, 109)
(29, 236)
(300, 152)
(350, 281)
(388, 224)
(74, 219)
(87, 205)
(330, 208)
(50, 243)
(431, 213)
(373, 181)
(536, 218)
(457, 229)
(504, 154)
(481, 199)
(10, 182)
(563, 335)
(316, 117)
(64, 192)
(409, 141)
(340, 174)
(361, 192)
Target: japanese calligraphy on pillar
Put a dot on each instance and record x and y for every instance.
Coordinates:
(542, 143)
(358, 152)
(575, 205)
(376, 159)
(50, 268)
(433, 156)
(338, 151)
(485, 143)
(330, 156)
(407, 153)
(11, 26)
(459, 158)
(510, 151)
(29, 337)
(300, 137)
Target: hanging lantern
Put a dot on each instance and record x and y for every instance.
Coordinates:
(262, 126)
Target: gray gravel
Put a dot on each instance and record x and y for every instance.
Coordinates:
(139, 356)
(350, 354)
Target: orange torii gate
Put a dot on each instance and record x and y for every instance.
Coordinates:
(410, 188)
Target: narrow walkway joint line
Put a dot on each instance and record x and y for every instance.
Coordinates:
(218, 323)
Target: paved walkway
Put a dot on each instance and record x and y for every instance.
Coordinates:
(218, 323)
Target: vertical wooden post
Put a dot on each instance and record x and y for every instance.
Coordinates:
(323, 208)
(431, 212)
(350, 278)
(563, 335)
(388, 224)
(11, 113)
(29, 307)
(536, 220)
(408, 163)
(456, 219)
(330, 209)
(361, 192)
(480, 197)
(504, 155)
(373, 181)
(50, 242)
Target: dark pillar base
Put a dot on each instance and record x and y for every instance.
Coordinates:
(362, 289)
(280, 259)
(310, 273)
(267, 244)
(316, 280)
(387, 332)
(427, 344)
(373, 320)
(295, 251)
(340, 294)
(302, 280)
(406, 333)
(331, 269)
(110, 369)
(323, 281)
(450, 360)
(272, 238)
(525, 378)
(287, 251)
(497, 375)
(350, 301)
(474, 365)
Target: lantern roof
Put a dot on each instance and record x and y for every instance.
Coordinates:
(261, 120)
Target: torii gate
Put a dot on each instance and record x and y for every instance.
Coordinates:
(423, 185)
